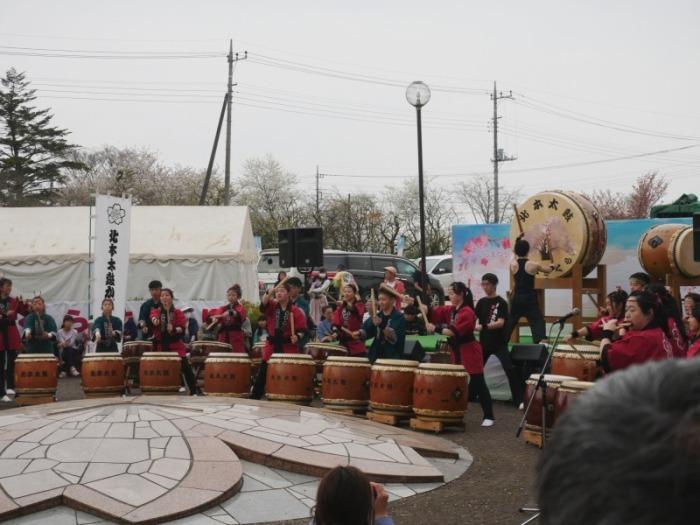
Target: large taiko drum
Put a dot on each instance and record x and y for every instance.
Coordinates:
(566, 394)
(319, 352)
(564, 229)
(345, 383)
(578, 361)
(131, 353)
(160, 373)
(668, 248)
(290, 377)
(36, 378)
(201, 349)
(440, 392)
(227, 374)
(391, 387)
(534, 416)
(103, 374)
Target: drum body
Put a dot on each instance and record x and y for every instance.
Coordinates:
(131, 353)
(668, 248)
(440, 392)
(290, 377)
(227, 374)
(319, 352)
(201, 349)
(582, 364)
(103, 374)
(567, 394)
(160, 373)
(534, 416)
(345, 382)
(391, 387)
(563, 228)
(36, 378)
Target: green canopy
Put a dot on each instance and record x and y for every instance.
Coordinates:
(685, 206)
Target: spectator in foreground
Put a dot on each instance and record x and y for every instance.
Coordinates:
(626, 452)
(346, 497)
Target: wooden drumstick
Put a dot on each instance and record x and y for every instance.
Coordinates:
(423, 309)
(517, 217)
(291, 319)
(373, 305)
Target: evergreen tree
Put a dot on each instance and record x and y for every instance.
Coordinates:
(32, 152)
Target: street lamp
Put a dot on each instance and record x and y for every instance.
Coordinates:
(418, 95)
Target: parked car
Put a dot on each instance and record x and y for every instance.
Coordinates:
(440, 267)
(367, 268)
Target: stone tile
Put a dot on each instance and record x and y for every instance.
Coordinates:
(73, 450)
(419, 488)
(140, 467)
(206, 430)
(177, 448)
(298, 426)
(56, 516)
(304, 461)
(59, 435)
(214, 511)
(74, 469)
(121, 451)
(44, 499)
(225, 519)
(237, 425)
(69, 477)
(307, 490)
(213, 475)
(12, 467)
(140, 424)
(176, 504)
(159, 442)
(198, 519)
(72, 425)
(265, 475)
(147, 415)
(41, 433)
(451, 471)
(333, 448)
(293, 477)
(132, 418)
(26, 484)
(94, 430)
(17, 449)
(86, 499)
(97, 471)
(118, 415)
(355, 450)
(157, 453)
(269, 505)
(83, 518)
(391, 450)
(285, 440)
(210, 449)
(170, 468)
(252, 484)
(414, 457)
(129, 488)
(40, 464)
(397, 472)
(399, 489)
(428, 445)
(184, 423)
(160, 480)
(165, 428)
(121, 430)
(13, 420)
(316, 440)
(145, 432)
(308, 502)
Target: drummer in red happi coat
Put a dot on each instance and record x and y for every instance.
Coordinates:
(347, 321)
(230, 320)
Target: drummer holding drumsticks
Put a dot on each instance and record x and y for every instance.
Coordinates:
(231, 318)
(347, 321)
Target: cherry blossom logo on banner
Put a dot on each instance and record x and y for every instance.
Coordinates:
(116, 214)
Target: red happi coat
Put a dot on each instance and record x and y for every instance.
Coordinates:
(636, 347)
(272, 310)
(13, 339)
(461, 322)
(231, 327)
(175, 343)
(694, 349)
(679, 345)
(595, 329)
(350, 317)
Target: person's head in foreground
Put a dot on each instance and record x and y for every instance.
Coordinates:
(627, 452)
(346, 497)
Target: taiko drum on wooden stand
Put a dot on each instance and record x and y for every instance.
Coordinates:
(227, 374)
(131, 353)
(345, 384)
(103, 374)
(160, 373)
(440, 392)
(391, 387)
(36, 378)
(668, 249)
(290, 377)
(567, 393)
(579, 362)
(534, 416)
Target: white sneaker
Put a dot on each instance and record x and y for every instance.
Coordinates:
(61, 374)
(10, 392)
(6, 399)
(182, 389)
(487, 423)
(74, 372)
(521, 406)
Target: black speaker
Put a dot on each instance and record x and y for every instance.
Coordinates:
(413, 351)
(308, 247)
(285, 239)
(696, 237)
(528, 360)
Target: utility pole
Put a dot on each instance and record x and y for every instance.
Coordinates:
(498, 155)
(318, 197)
(229, 91)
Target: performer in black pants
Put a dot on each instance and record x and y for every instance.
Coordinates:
(492, 315)
(523, 301)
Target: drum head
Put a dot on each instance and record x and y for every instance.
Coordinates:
(340, 360)
(397, 363)
(441, 366)
(682, 255)
(577, 385)
(552, 378)
(229, 356)
(296, 357)
(102, 356)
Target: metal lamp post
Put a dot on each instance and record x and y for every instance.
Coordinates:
(418, 95)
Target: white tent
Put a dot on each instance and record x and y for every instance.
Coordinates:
(197, 251)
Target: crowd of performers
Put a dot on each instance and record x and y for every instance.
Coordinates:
(645, 324)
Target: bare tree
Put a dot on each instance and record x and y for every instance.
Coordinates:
(478, 195)
(647, 190)
(611, 205)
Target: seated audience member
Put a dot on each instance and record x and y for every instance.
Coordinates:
(260, 335)
(345, 496)
(694, 325)
(414, 321)
(626, 452)
(68, 341)
(690, 301)
(324, 330)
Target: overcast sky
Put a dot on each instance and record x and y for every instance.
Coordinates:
(325, 85)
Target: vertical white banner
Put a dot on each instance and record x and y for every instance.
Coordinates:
(110, 268)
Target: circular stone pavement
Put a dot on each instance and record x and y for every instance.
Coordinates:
(203, 460)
